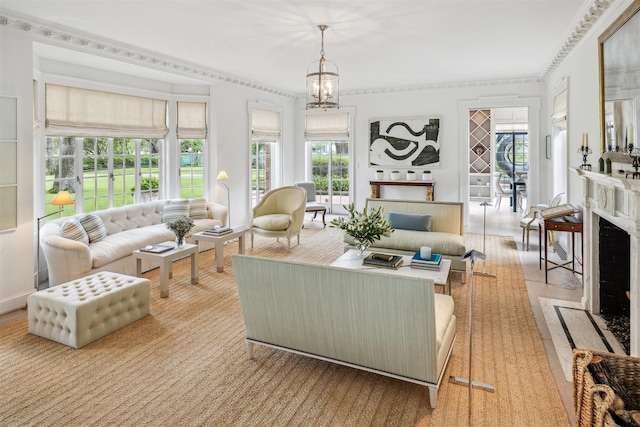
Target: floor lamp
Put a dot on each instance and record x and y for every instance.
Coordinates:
(471, 257)
(484, 238)
(62, 198)
(222, 176)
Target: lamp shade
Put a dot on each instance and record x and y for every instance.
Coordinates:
(222, 175)
(62, 198)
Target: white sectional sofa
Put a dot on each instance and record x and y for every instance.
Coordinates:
(127, 228)
(445, 225)
(391, 325)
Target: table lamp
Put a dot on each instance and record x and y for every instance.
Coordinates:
(62, 198)
(222, 176)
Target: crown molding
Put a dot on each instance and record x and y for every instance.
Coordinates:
(75, 39)
(72, 38)
(591, 15)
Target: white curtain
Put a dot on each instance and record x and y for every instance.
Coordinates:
(265, 123)
(192, 120)
(73, 111)
(327, 127)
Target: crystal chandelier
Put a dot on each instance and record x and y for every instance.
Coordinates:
(322, 81)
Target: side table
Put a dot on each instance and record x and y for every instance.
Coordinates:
(219, 241)
(568, 224)
(165, 259)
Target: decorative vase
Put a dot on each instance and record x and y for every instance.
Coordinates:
(411, 176)
(362, 247)
(379, 175)
(395, 176)
(426, 177)
(179, 241)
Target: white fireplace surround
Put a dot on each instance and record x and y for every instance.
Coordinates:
(616, 199)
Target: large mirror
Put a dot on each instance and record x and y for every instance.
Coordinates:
(619, 57)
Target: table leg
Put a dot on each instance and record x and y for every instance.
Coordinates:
(546, 270)
(375, 191)
(219, 255)
(139, 267)
(164, 278)
(194, 268)
(241, 243)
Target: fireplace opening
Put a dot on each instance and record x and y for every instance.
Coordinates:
(615, 269)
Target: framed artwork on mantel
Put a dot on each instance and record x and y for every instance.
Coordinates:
(411, 142)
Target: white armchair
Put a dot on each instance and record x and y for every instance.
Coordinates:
(280, 213)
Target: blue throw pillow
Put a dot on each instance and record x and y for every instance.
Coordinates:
(415, 222)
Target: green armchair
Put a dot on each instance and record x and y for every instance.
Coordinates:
(280, 213)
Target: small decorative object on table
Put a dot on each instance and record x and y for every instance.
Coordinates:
(379, 174)
(395, 175)
(365, 227)
(634, 153)
(411, 176)
(431, 263)
(180, 227)
(383, 260)
(426, 175)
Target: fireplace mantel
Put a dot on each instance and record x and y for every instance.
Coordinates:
(616, 199)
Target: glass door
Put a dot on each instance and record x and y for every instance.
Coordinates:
(329, 162)
(261, 169)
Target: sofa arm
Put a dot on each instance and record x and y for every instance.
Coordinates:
(66, 259)
(217, 211)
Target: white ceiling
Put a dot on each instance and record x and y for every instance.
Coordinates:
(376, 44)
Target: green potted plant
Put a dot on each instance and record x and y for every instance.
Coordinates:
(379, 174)
(411, 175)
(364, 227)
(149, 187)
(426, 175)
(395, 175)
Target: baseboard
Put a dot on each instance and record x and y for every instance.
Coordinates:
(13, 304)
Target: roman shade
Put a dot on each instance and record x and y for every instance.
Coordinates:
(73, 111)
(265, 123)
(192, 120)
(327, 127)
(559, 107)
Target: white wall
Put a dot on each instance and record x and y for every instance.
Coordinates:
(16, 246)
(581, 66)
(444, 103)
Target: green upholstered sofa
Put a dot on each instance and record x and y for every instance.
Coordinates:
(391, 325)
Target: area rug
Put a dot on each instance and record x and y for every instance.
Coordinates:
(186, 363)
(572, 327)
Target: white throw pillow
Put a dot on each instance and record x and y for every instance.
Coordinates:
(175, 209)
(94, 227)
(198, 209)
(72, 229)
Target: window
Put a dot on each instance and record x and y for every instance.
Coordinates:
(192, 131)
(328, 158)
(265, 134)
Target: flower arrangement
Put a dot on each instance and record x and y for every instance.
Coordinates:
(180, 227)
(365, 227)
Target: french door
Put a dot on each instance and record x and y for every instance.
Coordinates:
(329, 170)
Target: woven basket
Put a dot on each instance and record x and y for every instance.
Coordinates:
(591, 401)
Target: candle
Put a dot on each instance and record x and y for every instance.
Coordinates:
(586, 140)
(631, 134)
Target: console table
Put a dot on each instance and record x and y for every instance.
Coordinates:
(568, 223)
(375, 187)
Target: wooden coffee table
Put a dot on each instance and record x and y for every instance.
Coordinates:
(352, 259)
(165, 259)
(219, 241)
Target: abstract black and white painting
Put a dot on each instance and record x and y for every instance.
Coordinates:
(404, 142)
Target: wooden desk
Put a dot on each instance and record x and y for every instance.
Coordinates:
(567, 224)
(375, 187)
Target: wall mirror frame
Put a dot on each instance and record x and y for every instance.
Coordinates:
(619, 81)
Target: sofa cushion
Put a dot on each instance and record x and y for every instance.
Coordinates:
(443, 312)
(272, 222)
(198, 208)
(411, 241)
(405, 221)
(175, 209)
(72, 229)
(94, 227)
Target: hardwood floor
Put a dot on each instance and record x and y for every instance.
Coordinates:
(562, 284)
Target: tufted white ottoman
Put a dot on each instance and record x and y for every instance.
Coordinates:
(81, 311)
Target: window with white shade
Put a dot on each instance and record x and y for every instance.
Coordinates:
(265, 135)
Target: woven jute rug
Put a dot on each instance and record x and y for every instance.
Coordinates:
(186, 363)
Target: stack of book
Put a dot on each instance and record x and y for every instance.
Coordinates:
(432, 263)
(383, 260)
(217, 231)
